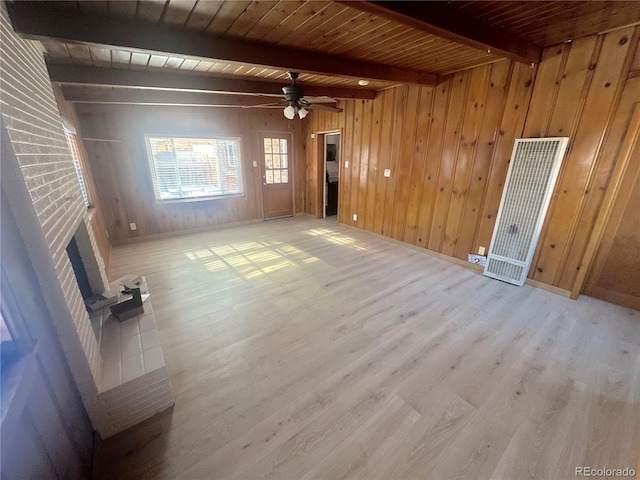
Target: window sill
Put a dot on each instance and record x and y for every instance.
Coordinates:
(186, 201)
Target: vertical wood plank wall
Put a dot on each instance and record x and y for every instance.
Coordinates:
(579, 90)
(448, 149)
(114, 140)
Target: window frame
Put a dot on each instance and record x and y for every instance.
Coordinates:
(80, 168)
(196, 136)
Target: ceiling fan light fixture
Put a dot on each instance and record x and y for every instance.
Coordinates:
(363, 83)
(290, 112)
(303, 112)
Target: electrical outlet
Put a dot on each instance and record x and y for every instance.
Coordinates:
(133, 226)
(255, 164)
(313, 135)
(481, 250)
(355, 217)
(346, 164)
(387, 172)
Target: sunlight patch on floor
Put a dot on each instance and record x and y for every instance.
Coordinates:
(252, 259)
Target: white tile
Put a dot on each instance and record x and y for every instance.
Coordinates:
(111, 374)
(129, 328)
(153, 359)
(149, 339)
(147, 322)
(132, 367)
(130, 346)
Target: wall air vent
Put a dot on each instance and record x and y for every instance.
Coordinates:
(534, 167)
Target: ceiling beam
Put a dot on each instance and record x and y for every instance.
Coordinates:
(51, 21)
(438, 18)
(136, 96)
(108, 77)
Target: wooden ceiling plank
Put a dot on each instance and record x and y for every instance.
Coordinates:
(66, 74)
(80, 54)
(249, 18)
(177, 12)
(318, 25)
(150, 10)
(226, 16)
(440, 19)
(346, 31)
(271, 20)
(157, 61)
(58, 51)
(43, 20)
(360, 39)
(120, 58)
(139, 61)
(202, 14)
(334, 28)
(189, 64)
(101, 57)
(305, 11)
(174, 62)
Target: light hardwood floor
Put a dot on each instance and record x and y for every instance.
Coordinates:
(299, 349)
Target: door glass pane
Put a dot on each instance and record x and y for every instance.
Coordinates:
(285, 176)
(276, 146)
(267, 145)
(268, 161)
(276, 161)
(284, 162)
(269, 176)
(283, 145)
(276, 176)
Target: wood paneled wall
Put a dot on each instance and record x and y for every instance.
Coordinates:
(448, 149)
(114, 139)
(577, 93)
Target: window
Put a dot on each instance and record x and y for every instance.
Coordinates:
(276, 160)
(183, 168)
(72, 140)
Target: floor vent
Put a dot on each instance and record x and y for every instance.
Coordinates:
(533, 170)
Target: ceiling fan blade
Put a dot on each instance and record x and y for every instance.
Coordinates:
(322, 99)
(264, 105)
(321, 106)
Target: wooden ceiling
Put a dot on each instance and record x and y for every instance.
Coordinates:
(333, 43)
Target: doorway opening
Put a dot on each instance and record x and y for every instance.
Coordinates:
(331, 173)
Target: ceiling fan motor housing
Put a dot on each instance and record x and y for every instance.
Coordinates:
(292, 93)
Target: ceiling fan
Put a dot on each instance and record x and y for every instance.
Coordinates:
(298, 103)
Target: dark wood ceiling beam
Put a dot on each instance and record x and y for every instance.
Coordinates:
(107, 77)
(130, 96)
(50, 21)
(438, 18)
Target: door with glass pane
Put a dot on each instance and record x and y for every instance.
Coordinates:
(277, 180)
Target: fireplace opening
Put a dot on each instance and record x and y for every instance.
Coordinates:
(78, 268)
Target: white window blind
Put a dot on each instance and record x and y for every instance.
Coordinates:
(72, 140)
(184, 168)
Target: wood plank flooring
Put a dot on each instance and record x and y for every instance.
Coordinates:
(301, 349)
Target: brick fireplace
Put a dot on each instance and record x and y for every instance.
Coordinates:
(43, 192)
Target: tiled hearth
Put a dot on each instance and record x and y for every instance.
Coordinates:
(134, 384)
